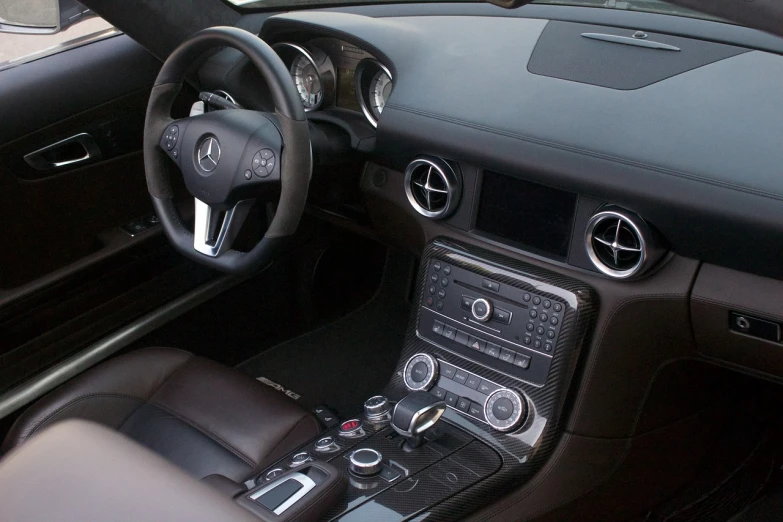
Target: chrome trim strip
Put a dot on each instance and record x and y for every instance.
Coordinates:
(307, 486)
(229, 228)
(446, 174)
(627, 40)
(91, 150)
(97, 352)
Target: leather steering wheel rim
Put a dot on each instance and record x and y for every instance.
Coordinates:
(295, 164)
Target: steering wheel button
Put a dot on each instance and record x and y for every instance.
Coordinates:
(267, 154)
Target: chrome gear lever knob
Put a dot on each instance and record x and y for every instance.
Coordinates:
(415, 414)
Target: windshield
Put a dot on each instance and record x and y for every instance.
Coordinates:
(648, 6)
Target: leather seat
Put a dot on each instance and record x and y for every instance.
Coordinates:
(203, 416)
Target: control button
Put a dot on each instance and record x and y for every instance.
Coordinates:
(248, 174)
(326, 445)
(527, 340)
(477, 344)
(463, 404)
(440, 393)
(273, 473)
(537, 344)
(493, 350)
(434, 278)
(174, 130)
(476, 410)
(505, 410)
(506, 355)
(461, 338)
(449, 332)
(351, 429)
(300, 458)
(550, 334)
(439, 306)
(547, 303)
(523, 361)
(451, 399)
(544, 318)
(421, 370)
(259, 165)
(436, 266)
(487, 387)
(447, 370)
(473, 381)
(267, 154)
(467, 302)
(526, 298)
(437, 327)
(175, 153)
(365, 462)
(533, 314)
(429, 301)
(432, 289)
(557, 307)
(461, 376)
(548, 347)
(536, 300)
(554, 321)
(490, 285)
(263, 163)
(540, 330)
(377, 408)
(447, 270)
(444, 282)
(441, 294)
(389, 474)
(481, 310)
(501, 316)
(530, 327)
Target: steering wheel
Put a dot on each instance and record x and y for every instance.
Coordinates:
(228, 158)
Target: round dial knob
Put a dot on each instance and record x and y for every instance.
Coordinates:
(376, 407)
(300, 458)
(365, 462)
(352, 429)
(420, 372)
(326, 444)
(505, 410)
(481, 309)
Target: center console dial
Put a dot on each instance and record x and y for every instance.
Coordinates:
(420, 372)
(377, 408)
(505, 410)
(481, 310)
(365, 462)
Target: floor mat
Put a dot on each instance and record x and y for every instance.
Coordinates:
(348, 360)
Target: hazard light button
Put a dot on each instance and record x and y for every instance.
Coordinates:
(351, 429)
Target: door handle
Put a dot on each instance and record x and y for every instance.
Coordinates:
(70, 151)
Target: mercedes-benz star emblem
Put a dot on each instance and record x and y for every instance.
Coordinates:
(209, 154)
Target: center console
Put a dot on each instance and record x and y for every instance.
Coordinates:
(474, 406)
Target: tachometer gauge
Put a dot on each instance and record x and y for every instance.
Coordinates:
(312, 72)
(373, 87)
(380, 89)
(307, 81)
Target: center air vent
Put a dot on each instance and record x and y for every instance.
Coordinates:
(432, 187)
(620, 244)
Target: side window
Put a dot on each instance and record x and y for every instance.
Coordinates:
(33, 28)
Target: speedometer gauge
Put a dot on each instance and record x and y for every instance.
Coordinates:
(307, 81)
(373, 83)
(380, 89)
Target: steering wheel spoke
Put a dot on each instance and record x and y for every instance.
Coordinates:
(215, 230)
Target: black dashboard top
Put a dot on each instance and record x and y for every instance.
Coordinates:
(696, 150)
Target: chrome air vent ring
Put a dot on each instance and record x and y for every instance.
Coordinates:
(432, 187)
(620, 244)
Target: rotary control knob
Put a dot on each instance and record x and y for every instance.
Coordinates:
(365, 462)
(505, 410)
(300, 458)
(420, 372)
(377, 408)
(481, 310)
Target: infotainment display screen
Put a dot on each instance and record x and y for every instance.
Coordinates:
(346, 90)
(528, 215)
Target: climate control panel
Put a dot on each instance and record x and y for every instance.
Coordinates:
(490, 321)
(502, 408)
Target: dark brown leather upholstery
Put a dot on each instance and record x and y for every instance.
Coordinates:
(202, 416)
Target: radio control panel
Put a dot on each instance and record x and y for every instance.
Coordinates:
(493, 323)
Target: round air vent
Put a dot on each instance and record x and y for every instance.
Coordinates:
(432, 187)
(620, 244)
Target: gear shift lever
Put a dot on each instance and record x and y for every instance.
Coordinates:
(415, 414)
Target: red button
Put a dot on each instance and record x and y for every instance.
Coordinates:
(350, 425)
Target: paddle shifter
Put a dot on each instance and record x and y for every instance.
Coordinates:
(415, 414)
